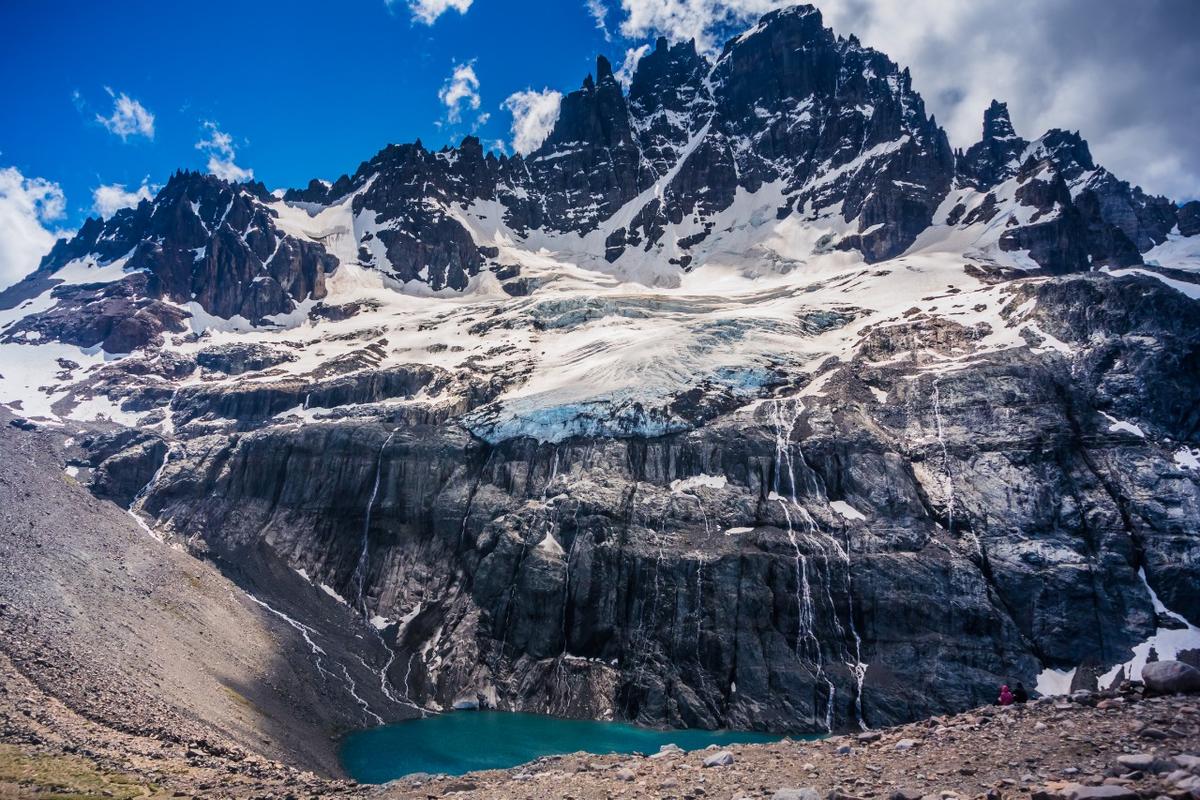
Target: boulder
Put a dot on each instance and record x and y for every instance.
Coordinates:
(803, 793)
(721, 758)
(1105, 792)
(1171, 677)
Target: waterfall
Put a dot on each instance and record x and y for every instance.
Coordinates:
(699, 603)
(805, 637)
(307, 397)
(360, 570)
(353, 691)
(408, 677)
(385, 683)
(304, 631)
(826, 544)
(307, 633)
(140, 498)
(937, 414)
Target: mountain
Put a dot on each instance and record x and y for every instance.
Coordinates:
(743, 401)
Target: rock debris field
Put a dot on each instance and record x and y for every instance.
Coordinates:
(1095, 748)
(1092, 747)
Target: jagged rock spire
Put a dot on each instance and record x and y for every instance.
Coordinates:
(997, 156)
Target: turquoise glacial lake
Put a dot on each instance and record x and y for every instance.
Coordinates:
(466, 741)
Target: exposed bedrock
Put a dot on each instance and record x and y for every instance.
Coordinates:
(929, 527)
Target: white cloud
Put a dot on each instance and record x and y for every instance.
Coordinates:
(129, 117)
(598, 11)
(534, 115)
(460, 92)
(1121, 73)
(702, 20)
(427, 11)
(221, 154)
(633, 55)
(108, 199)
(26, 206)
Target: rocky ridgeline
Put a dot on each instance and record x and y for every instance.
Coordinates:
(837, 129)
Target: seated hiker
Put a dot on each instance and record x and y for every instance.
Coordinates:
(1019, 693)
(1006, 696)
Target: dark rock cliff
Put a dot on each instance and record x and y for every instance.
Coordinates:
(894, 547)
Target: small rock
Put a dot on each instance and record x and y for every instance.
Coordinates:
(722, 758)
(1144, 762)
(1189, 762)
(668, 783)
(1189, 784)
(626, 774)
(906, 744)
(1107, 792)
(869, 736)
(667, 750)
(803, 793)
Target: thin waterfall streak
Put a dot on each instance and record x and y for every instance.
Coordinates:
(139, 499)
(304, 631)
(699, 603)
(828, 545)
(352, 688)
(360, 570)
(937, 414)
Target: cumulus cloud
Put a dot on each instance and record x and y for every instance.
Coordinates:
(1122, 73)
(633, 55)
(128, 118)
(108, 199)
(427, 11)
(27, 206)
(460, 92)
(534, 115)
(221, 154)
(706, 21)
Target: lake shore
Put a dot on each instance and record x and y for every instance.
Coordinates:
(1052, 750)
(1045, 750)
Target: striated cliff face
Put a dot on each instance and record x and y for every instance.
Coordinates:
(892, 544)
(742, 401)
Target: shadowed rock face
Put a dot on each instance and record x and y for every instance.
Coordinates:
(938, 532)
(201, 241)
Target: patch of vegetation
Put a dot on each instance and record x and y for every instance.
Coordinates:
(25, 775)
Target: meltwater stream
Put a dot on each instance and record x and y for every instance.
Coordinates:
(466, 741)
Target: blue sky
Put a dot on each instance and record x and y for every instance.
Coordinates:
(304, 89)
(98, 98)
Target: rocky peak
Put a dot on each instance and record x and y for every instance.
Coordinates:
(595, 114)
(996, 157)
(997, 124)
(669, 77)
(788, 55)
(1066, 150)
(669, 100)
(1189, 218)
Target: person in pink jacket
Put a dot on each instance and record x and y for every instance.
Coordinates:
(1006, 696)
